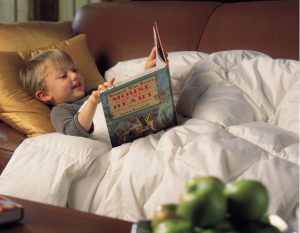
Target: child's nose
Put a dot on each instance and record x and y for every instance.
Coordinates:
(73, 75)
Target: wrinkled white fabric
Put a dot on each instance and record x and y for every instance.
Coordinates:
(239, 119)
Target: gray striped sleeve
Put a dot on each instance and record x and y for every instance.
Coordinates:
(64, 119)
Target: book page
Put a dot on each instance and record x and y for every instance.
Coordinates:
(160, 54)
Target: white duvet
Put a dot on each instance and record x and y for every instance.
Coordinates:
(238, 119)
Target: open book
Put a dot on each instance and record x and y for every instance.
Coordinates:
(143, 105)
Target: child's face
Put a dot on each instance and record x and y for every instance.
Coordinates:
(63, 83)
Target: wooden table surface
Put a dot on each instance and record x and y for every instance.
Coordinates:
(41, 218)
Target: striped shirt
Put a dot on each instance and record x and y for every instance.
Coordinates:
(64, 118)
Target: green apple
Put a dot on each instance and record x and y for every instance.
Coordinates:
(164, 212)
(248, 200)
(209, 231)
(173, 226)
(203, 182)
(259, 227)
(204, 203)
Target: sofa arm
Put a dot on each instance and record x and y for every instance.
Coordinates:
(9, 141)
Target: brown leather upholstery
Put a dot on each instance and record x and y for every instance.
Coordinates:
(9, 140)
(269, 27)
(122, 30)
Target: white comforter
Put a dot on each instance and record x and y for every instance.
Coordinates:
(240, 121)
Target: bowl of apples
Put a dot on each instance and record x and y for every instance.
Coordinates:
(210, 206)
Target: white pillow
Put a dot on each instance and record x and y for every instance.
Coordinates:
(235, 87)
(124, 70)
(287, 113)
(45, 167)
(265, 80)
(208, 94)
(179, 63)
(225, 106)
(255, 77)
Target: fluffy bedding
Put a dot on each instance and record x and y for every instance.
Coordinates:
(237, 119)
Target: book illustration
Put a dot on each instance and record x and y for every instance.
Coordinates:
(10, 211)
(141, 106)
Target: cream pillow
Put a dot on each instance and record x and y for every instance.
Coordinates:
(78, 49)
(33, 34)
(25, 113)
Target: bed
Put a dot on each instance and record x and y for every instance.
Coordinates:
(237, 106)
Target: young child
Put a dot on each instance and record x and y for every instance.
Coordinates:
(53, 78)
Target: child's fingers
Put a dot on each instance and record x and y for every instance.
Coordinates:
(152, 53)
(106, 85)
(152, 63)
(111, 82)
(95, 98)
(95, 94)
(101, 87)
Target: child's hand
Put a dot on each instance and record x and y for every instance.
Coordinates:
(106, 85)
(151, 60)
(94, 97)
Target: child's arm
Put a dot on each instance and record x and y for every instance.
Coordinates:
(85, 117)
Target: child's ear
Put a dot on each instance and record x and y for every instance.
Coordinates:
(43, 96)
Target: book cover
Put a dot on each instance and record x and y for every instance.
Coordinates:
(10, 211)
(142, 226)
(141, 106)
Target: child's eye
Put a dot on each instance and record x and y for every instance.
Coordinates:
(75, 70)
(63, 76)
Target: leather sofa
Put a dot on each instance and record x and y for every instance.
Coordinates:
(122, 30)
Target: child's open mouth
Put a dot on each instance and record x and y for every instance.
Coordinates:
(77, 85)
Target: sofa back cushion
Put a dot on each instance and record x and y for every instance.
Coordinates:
(270, 27)
(120, 31)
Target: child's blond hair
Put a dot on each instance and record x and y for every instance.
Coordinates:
(33, 73)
